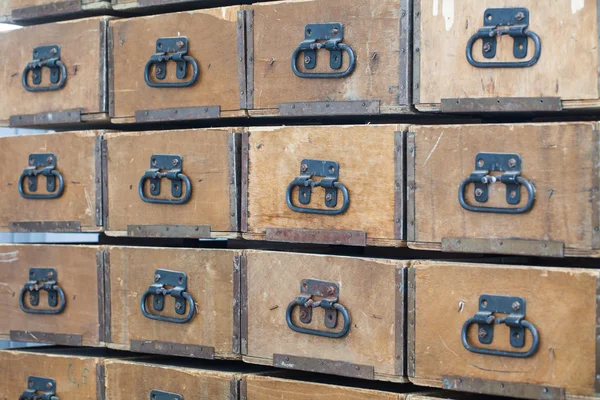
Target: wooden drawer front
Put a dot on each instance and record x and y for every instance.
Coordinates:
(212, 41)
(367, 344)
(210, 330)
(83, 55)
(565, 75)
(207, 157)
(370, 162)
(444, 296)
(375, 31)
(72, 377)
(79, 275)
(559, 160)
(130, 380)
(78, 208)
(29, 11)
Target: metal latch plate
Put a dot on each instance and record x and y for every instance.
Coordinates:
(511, 305)
(160, 395)
(329, 290)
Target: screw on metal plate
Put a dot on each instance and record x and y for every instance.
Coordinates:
(45, 279)
(41, 164)
(170, 283)
(166, 166)
(45, 56)
(171, 49)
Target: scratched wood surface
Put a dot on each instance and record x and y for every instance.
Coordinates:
(85, 68)
(367, 290)
(75, 160)
(560, 303)
(567, 68)
(212, 41)
(8, 6)
(371, 28)
(556, 158)
(77, 275)
(209, 281)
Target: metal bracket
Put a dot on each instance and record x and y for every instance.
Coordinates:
(169, 283)
(45, 56)
(505, 21)
(508, 163)
(332, 34)
(171, 49)
(41, 164)
(160, 395)
(42, 279)
(35, 385)
(173, 164)
(329, 171)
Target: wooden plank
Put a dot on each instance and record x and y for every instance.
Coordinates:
(212, 38)
(567, 67)
(209, 282)
(566, 323)
(28, 11)
(556, 158)
(205, 157)
(80, 42)
(75, 160)
(367, 290)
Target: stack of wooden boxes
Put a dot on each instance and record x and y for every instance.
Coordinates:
(346, 150)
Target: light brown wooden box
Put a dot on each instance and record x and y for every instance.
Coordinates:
(79, 273)
(559, 159)
(77, 158)
(372, 292)
(213, 284)
(378, 31)
(216, 43)
(84, 95)
(564, 78)
(209, 159)
(35, 11)
(370, 161)
(561, 303)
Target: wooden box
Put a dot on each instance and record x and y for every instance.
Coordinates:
(51, 183)
(35, 11)
(360, 67)
(207, 82)
(55, 75)
(359, 176)
(518, 331)
(541, 195)
(195, 193)
(546, 62)
(68, 306)
(199, 319)
(326, 314)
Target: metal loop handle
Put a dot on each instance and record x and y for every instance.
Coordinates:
(30, 172)
(188, 83)
(186, 319)
(180, 176)
(27, 288)
(485, 33)
(325, 75)
(502, 353)
(498, 210)
(299, 183)
(50, 64)
(301, 301)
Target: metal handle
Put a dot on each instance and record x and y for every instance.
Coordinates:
(187, 83)
(186, 319)
(38, 65)
(324, 75)
(51, 173)
(30, 287)
(46, 387)
(498, 210)
(305, 301)
(484, 33)
(300, 182)
(502, 353)
(152, 175)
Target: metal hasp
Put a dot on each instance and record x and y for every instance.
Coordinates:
(41, 164)
(39, 388)
(171, 49)
(515, 320)
(171, 283)
(43, 279)
(171, 167)
(505, 21)
(160, 395)
(510, 165)
(329, 293)
(45, 56)
(332, 34)
(329, 171)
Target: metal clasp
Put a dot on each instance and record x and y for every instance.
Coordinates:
(171, 49)
(161, 395)
(329, 171)
(508, 163)
(42, 279)
(329, 293)
(45, 56)
(515, 320)
(505, 21)
(169, 283)
(39, 388)
(332, 34)
(41, 164)
(173, 164)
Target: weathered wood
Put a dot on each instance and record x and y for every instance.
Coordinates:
(567, 68)
(83, 52)
(32, 11)
(366, 160)
(560, 302)
(376, 30)
(212, 39)
(75, 160)
(561, 161)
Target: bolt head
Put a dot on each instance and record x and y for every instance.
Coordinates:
(478, 192)
(158, 70)
(303, 167)
(307, 59)
(303, 314)
(487, 47)
(179, 43)
(512, 163)
(178, 306)
(49, 160)
(328, 197)
(330, 290)
(157, 277)
(516, 306)
(48, 385)
(152, 186)
(520, 16)
(30, 183)
(175, 162)
(335, 31)
(482, 333)
(53, 51)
